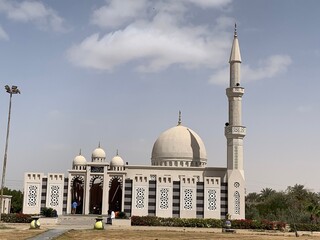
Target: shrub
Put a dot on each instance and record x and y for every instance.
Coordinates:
(305, 227)
(122, 215)
(175, 222)
(205, 223)
(16, 218)
(48, 212)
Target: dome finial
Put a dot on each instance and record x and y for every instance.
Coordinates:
(117, 152)
(80, 152)
(235, 30)
(179, 121)
(99, 145)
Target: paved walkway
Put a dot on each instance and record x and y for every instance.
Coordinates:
(65, 223)
(50, 234)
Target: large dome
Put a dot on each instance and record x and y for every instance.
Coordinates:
(98, 155)
(179, 146)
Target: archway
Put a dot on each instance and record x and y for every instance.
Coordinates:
(96, 196)
(77, 194)
(115, 196)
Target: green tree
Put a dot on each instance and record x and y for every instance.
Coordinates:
(16, 200)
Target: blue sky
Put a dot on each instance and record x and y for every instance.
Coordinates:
(118, 72)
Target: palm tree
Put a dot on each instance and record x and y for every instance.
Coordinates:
(266, 193)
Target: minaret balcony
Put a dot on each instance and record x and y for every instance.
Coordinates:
(235, 91)
(235, 131)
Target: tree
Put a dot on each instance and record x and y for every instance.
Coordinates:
(295, 205)
(266, 193)
(16, 200)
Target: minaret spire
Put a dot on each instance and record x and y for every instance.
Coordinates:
(179, 120)
(235, 132)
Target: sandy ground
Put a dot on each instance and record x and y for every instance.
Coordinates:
(114, 234)
(22, 231)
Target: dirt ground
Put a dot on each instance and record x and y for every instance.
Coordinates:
(112, 234)
(14, 234)
(132, 234)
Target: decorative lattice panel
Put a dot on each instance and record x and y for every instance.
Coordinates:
(187, 199)
(115, 177)
(93, 178)
(164, 198)
(140, 197)
(236, 203)
(212, 200)
(54, 195)
(77, 177)
(32, 195)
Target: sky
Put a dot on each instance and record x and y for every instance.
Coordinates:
(118, 72)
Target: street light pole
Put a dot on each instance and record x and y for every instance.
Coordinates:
(11, 91)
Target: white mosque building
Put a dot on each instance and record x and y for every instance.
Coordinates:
(178, 183)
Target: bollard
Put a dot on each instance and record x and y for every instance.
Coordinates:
(99, 224)
(35, 223)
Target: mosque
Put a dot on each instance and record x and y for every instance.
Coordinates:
(178, 183)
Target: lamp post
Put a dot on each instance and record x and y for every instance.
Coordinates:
(11, 91)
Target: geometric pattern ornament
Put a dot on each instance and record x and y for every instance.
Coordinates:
(32, 195)
(164, 198)
(236, 203)
(93, 178)
(119, 178)
(212, 200)
(54, 196)
(187, 199)
(79, 178)
(140, 196)
(236, 184)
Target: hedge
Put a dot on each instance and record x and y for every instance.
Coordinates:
(175, 222)
(205, 223)
(16, 218)
(305, 227)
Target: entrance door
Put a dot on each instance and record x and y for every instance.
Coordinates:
(115, 196)
(77, 194)
(96, 196)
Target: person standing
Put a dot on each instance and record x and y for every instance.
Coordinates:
(74, 207)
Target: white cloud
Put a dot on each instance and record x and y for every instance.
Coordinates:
(32, 11)
(160, 48)
(157, 37)
(118, 12)
(269, 68)
(210, 3)
(154, 35)
(3, 34)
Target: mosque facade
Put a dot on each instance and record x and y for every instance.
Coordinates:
(178, 183)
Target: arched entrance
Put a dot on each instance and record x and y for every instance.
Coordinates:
(77, 194)
(115, 195)
(96, 196)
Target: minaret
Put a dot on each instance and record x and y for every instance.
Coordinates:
(235, 132)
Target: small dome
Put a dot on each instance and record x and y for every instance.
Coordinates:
(179, 144)
(79, 160)
(117, 161)
(98, 153)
